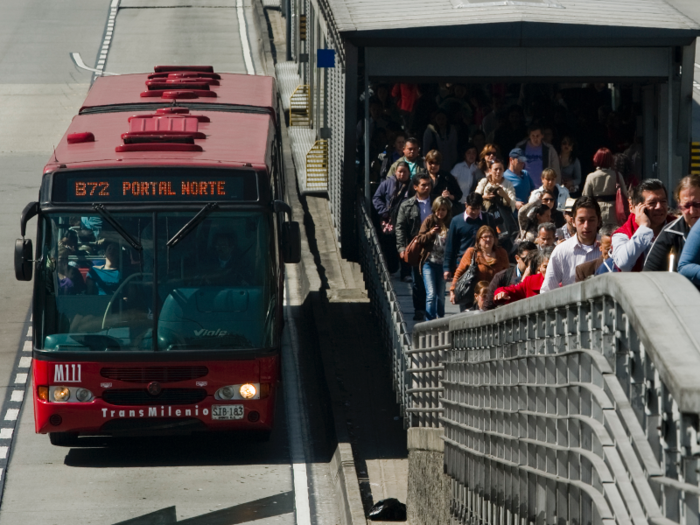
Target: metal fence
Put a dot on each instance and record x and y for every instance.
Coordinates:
(578, 406)
(386, 308)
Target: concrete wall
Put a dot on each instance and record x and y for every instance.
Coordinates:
(429, 497)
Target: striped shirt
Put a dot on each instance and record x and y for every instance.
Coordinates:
(561, 270)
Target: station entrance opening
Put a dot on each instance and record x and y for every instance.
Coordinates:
(457, 114)
(449, 98)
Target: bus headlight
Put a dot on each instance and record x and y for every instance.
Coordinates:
(61, 394)
(83, 395)
(226, 392)
(248, 391)
(244, 391)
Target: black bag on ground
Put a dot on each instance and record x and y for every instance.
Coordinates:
(389, 509)
(464, 289)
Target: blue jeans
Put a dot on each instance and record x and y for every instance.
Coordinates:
(434, 290)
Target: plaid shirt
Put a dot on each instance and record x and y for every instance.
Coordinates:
(565, 258)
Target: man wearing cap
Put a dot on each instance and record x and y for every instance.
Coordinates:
(568, 230)
(518, 177)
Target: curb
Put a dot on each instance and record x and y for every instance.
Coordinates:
(342, 466)
(346, 486)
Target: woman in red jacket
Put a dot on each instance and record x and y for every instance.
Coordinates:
(533, 277)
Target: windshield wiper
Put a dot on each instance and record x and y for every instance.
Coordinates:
(99, 208)
(192, 224)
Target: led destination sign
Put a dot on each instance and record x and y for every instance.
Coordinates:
(154, 184)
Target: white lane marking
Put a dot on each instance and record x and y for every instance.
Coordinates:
(3, 452)
(27, 346)
(29, 331)
(11, 414)
(17, 396)
(79, 62)
(301, 501)
(6, 433)
(20, 379)
(295, 418)
(106, 42)
(243, 30)
(24, 362)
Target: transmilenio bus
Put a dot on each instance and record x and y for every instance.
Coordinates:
(161, 243)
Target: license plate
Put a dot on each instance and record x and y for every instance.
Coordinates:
(226, 412)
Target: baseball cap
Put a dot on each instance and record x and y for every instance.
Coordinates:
(517, 153)
(569, 205)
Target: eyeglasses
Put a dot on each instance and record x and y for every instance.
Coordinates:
(690, 205)
(548, 200)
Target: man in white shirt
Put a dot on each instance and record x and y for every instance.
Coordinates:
(580, 248)
(467, 173)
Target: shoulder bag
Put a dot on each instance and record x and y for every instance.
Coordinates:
(464, 289)
(412, 253)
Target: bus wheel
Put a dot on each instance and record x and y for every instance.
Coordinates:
(63, 439)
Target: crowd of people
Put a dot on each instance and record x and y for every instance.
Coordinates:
(506, 212)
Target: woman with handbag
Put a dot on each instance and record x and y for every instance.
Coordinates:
(433, 238)
(479, 263)
(387, 199)
(608, 187)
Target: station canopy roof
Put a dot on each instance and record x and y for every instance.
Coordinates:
(513, 23)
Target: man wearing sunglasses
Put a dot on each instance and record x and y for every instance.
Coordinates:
(632, 241)
(667, 247)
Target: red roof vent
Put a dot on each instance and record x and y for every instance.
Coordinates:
(173, 113)
(174, 137)
(164, 132)
(170, 111)
(182, 83)
(163, 135)
(182, 94)
(83, 136)
(184, 74)
(171, 80)
(202, 69)
(156, 146)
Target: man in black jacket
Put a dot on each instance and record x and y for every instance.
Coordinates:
(512, 275)
(668, 245)
(412, 213)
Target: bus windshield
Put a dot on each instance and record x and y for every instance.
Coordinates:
(112, 282)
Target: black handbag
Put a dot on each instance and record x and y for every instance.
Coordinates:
(464, 289)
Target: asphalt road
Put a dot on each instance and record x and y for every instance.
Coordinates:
(206, 479)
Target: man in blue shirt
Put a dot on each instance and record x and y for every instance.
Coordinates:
(520, 178)
(462, 232)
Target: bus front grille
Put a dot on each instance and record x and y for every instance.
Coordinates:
(162, 374)
(168, 396)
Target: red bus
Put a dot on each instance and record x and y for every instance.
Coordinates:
(161, 242)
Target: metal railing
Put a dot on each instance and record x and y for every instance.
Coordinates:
(578, 406)
(386, 308)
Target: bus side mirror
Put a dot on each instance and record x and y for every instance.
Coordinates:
(23, 259)
(291, 242)
(30, 210)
